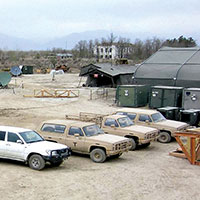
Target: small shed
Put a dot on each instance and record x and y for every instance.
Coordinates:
(171, 67)
(108, 75)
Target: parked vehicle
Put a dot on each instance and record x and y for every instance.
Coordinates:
(85, 138)
(153, 118)
(121, 126)
(28, 146)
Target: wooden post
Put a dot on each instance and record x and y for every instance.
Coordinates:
(193, 153)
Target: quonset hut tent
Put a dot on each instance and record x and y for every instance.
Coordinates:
(107, 75)
(171, 67)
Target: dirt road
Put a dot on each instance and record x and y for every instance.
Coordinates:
(143, 174)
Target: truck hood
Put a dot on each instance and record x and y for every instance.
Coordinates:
(140, 129)
(108, 138)
(173, 124)
(45, 145)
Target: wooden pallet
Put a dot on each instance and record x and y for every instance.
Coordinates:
(46, 93)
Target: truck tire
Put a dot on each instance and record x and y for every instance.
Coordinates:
(164, 137)
(36, 162)
(98, 155)
(133, 144)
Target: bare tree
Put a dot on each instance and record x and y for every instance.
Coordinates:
(123, 46)
(82, 48)
(111, 39)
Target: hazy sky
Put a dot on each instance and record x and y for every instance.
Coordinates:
(54, 18)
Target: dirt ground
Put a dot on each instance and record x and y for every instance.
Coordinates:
(143, 174)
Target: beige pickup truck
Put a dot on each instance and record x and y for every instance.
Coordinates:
(153, 118)
(121, 126)
(85, 138)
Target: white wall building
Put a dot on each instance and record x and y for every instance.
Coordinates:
(111, 51)
(106, 51)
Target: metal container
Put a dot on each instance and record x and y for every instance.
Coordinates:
(132, 95)
(170, 112)
(191, 98)
(190, 116)
(27, 70)
(162, 96)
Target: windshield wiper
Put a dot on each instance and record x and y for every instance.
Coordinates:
(35, 141)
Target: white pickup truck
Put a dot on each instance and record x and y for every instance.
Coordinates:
(28, 146)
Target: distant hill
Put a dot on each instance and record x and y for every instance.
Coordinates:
(14, 43)
(65, 42)
(68, 41)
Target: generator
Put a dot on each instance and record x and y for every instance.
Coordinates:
(170, 112)
(162, 96)
(191, 98)
(132, 95)
(190, 116)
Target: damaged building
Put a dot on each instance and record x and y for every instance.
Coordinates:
(108, 75)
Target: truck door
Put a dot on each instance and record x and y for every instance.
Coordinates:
(111, 126)
(2, 143)
(75, 142)
(14, 149)
(144, 120)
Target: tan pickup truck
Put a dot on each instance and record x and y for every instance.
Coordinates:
(85, 138)
(153, 118)
(121, 126)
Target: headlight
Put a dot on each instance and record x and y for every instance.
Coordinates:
(54, 153)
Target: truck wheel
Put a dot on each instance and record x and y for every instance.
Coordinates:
(98, 155)
(133, 144)
(164, 137)
(36, 162)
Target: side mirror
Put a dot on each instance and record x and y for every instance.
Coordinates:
(19, 142)
(112, 126)
(147, 121)
(76, 134)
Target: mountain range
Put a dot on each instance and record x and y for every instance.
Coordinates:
(66, 42)
(8, 42)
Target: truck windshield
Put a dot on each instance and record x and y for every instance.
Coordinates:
(31, 136)
(158, 117)
(92, 130)
(125, 121)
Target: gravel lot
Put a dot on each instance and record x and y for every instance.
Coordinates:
(143, 174)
